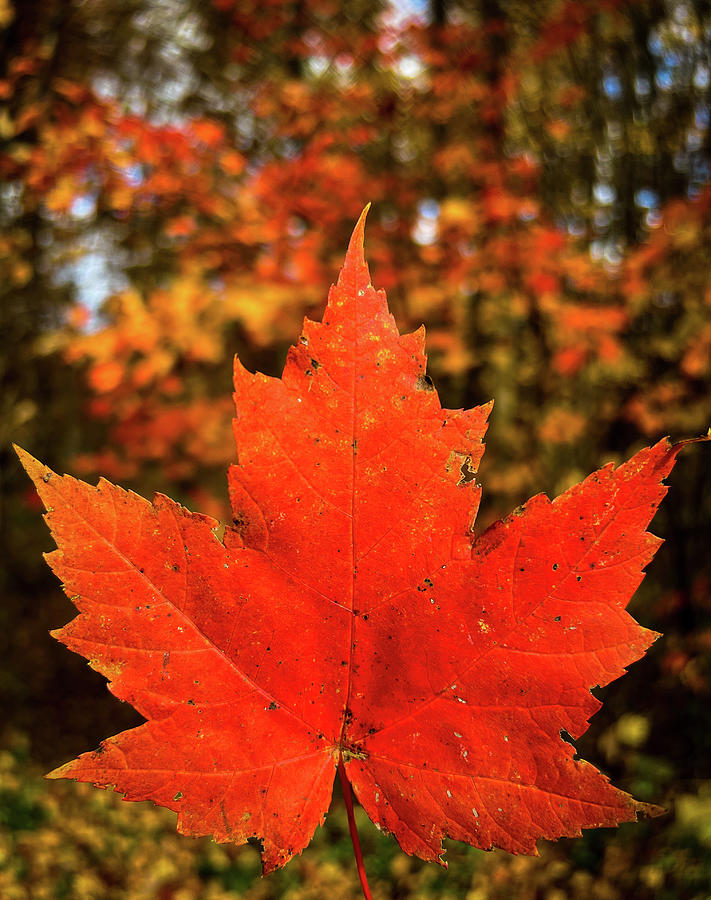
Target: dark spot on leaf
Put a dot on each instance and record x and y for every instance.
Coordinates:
(424, 383)
(273, 705)
(557, 619)
(240, 521)
(555, 566)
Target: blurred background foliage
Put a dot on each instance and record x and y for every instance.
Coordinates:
(178, 183)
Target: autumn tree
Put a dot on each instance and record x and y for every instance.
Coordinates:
(179, 181)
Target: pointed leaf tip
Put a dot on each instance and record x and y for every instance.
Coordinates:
(358, 237)
(355, 257)
(29, 463)
(39, 473)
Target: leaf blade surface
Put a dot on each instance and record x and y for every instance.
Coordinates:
(350, 612)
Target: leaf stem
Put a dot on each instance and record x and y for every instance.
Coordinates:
(348, 797)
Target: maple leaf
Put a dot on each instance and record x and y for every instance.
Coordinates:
(351, 618)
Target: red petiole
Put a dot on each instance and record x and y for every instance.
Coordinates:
(348, 797)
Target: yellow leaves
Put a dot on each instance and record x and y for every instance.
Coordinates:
(92, 122)
(7, 13)
(16, 268)
(561, 426)
(95, 847)
(148, 337)
(189, 318)
(685, 235)
(458, 212)
(425, 301)
(268, 311)
(499, 286)
(632, 729)
(7, 125)
(20, 272)
(120, 198)
(60, 197)
(694, 812)
(149, 369)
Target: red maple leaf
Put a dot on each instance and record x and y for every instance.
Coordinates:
(350, 618)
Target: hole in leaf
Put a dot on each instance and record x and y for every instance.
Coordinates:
(256, 842)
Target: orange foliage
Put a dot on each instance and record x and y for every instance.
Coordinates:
(232, 247)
